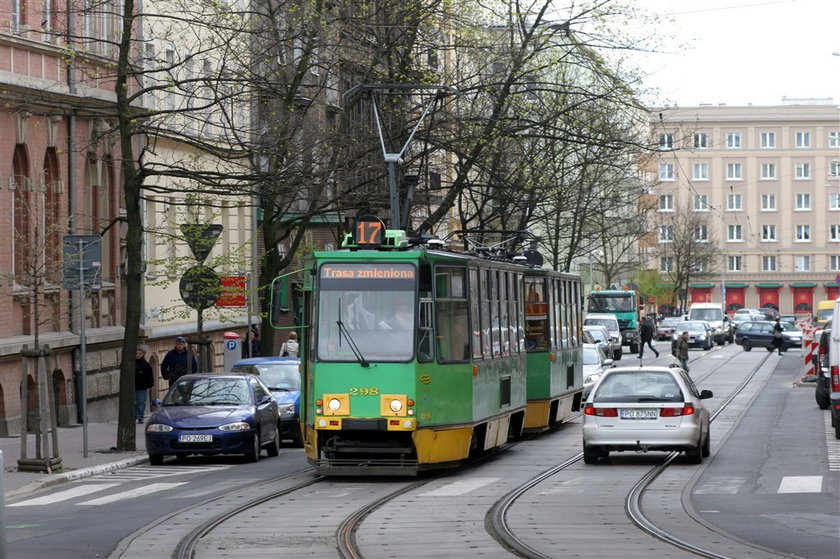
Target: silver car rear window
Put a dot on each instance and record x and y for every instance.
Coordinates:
(638, 387)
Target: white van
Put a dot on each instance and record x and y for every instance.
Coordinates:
(611, 323)
(714, 315)
(834, 368)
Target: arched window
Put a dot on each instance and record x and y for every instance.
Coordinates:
(53, 227)
(22, 225)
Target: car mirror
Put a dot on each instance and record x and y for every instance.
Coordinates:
(264, 400)
(705, 394)
(156, 403)
(608, 362)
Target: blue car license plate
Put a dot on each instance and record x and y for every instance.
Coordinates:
(639, 414)
(195, 438)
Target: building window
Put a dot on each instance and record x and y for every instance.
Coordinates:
(803, 139)
(701, 203)
(803, 170)
(733, 140)
(834, 201)
(701, 140)
(17, 16)
(701, 234)
(733, 263)
(834, 233)
(733, 202)
(768, 263)
(700, 265)
(701, 171)
(768, 233)
(768, 139)
(768, 202)
(803, 201)
(834, 263)
(666, 171)
(803, 233)
(802, 263)
(834, 139)
(666, 263)
(733, 171)
(768, 170)
(666, 203)
(734, 233)
(666, 233)
(666, 141)
(834, 170)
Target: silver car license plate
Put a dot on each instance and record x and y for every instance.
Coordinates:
(639, 414)
(195, 438)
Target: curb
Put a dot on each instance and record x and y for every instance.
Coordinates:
(74, 475)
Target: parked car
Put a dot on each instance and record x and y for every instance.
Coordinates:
(700, 333)
(755, 312)
(646, 408)
(282, 377)
(214, 413)
(788, 318)
(665, 330)
(595, 362)
(759, 333)
(611, 322)
(601, 336)
(822, 391)
(739, 319)
(769, 313)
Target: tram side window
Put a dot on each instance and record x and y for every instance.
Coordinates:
(475, 318)
(486, 342)
(536, 315)
(453, 338)
(519, 312)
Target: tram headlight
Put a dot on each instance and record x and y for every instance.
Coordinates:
(334, 404)
(396, 406)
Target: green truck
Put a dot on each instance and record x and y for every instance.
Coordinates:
(624, 305)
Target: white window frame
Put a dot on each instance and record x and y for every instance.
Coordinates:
(803, 139)
(734, 263)
(768, 140)
(666, 233)
(734, 202)
(701, 203)
(701, 140)
(834, 233)
(834, 263)
(768, 234)
(803, 233)
(666, 171)
(834, 139)
(666, 141)
(734, 172)
(834, 169)
(733, 140)
(768, 264)
(834, 201)
(666, 202)
(768, 171)
(701, 171)
(802, 263)
(734, 233)
(802, 202)
(701, 234)
(803, 171)
(768, 203)
(666, 263)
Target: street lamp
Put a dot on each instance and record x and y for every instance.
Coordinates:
(592, 255)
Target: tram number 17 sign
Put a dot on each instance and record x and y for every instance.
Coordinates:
(368, 232)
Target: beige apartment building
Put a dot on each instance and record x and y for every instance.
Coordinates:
(767, 179)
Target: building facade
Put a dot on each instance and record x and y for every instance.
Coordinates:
(766, 182)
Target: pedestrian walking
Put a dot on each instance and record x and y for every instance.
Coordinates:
(681, 351)
(778, 340)
(143, 380)
(290, 347)
(251, 347)
(178, 362)
(646, 337)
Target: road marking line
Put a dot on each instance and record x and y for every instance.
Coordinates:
(801, 484)
(151, 488)
(833, 444)
(721, 486)
(460, 487)
(64, 495)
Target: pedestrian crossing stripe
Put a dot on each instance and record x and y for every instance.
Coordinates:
(72, 493)
(137, 492)
(833, 444)
(801, 484)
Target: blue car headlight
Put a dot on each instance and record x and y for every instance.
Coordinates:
(158, 428)
(238, 426)
(287, 410)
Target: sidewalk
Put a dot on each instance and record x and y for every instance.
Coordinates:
(101, 458)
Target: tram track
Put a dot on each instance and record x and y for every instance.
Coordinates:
(496, 520)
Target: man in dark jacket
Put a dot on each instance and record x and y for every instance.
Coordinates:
(646, 336)
(143, 381)
(175, 364)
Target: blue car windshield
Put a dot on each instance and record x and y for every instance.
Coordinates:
(209, 392)
(279, 376)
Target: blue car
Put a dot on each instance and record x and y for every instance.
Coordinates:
(214, 413)
(282, 376)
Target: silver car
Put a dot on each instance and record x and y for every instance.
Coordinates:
(646, 408)
(594, 365)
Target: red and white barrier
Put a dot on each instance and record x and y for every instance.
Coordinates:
(810, 347)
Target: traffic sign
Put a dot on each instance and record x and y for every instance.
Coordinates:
(201, 237)
(837, 279)
(82, 262)
(200, 287)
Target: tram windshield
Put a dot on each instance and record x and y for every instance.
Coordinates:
(366, 312)
(610, 303)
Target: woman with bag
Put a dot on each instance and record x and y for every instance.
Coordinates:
(290, 346)
(778, 340)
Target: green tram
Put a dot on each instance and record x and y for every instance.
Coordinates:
(418, 357)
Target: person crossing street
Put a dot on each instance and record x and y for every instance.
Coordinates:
(646, 337)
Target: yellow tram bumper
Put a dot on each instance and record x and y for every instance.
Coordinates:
(331, 423)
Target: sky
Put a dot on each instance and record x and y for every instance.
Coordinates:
(741, 52)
